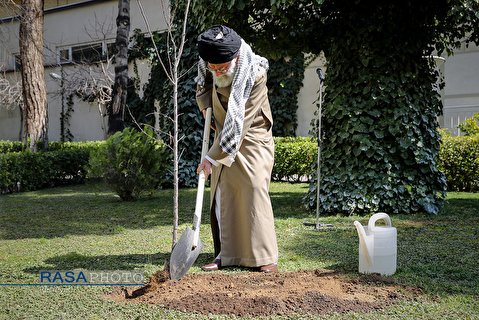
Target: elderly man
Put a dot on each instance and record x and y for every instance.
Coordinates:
(232, 80)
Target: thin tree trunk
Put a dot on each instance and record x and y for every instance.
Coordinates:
(156, 114)
(32, 70)
(176, 159)
(117, 108)
(173, 77)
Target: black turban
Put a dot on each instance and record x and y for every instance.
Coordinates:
(218, 44)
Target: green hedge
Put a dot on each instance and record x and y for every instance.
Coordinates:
(62, 164)
(294, 157)
(459, 160)
(11, 146)
(18, 146)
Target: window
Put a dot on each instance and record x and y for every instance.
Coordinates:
(64, 55)
(88, 53)
(18, 62)
(110, 49)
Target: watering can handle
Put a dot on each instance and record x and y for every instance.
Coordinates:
(376, 217)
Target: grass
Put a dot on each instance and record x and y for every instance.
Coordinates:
(87, 227)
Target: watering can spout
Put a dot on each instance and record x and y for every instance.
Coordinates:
(360, 229)
(365, 241)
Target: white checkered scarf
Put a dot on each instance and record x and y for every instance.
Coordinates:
(243, 81)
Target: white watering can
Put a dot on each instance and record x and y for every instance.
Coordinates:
(377, 246)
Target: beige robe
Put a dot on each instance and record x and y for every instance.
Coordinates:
(248, 235)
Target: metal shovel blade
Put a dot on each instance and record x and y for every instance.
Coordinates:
(183, 255)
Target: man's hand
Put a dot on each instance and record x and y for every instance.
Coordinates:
(204, 166)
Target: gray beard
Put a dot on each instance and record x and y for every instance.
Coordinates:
(224, 80)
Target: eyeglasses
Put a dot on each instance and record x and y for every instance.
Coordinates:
(221, 70)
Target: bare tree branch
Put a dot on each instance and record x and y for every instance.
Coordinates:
(183, 36)
(100, 29)
(11, 95)
(167, 73)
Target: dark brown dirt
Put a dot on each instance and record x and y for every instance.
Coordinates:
(257, 294)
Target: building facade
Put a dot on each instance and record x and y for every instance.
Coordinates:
(79, 37)
(460, 95)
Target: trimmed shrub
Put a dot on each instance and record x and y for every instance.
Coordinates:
(18, 146)
(11, 146)
(130, 162)
(470, 126)
(459, 160)
(26, 171)
(294, 157)
(89, 145)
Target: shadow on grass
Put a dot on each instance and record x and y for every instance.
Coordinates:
(75, 260)
(93, 209)
(288, 205)
(436, 253)
(85, 210)
(461, 205)
(336, 247)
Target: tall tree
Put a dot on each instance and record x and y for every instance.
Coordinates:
(380, 148)
(119, 95)
(32, 70)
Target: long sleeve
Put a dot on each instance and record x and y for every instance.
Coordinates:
(204, 93)
(256, 104)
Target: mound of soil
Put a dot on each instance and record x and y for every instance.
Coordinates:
(258, 294)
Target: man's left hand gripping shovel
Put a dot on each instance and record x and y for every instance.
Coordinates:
(186, 250)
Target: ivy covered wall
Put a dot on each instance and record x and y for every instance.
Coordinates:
(381, 143)
(380, 148)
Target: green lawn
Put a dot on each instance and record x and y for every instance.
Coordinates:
(88, 227)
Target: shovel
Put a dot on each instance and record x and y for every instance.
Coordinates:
(186, 250)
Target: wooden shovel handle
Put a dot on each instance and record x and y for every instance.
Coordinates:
(201, 181)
